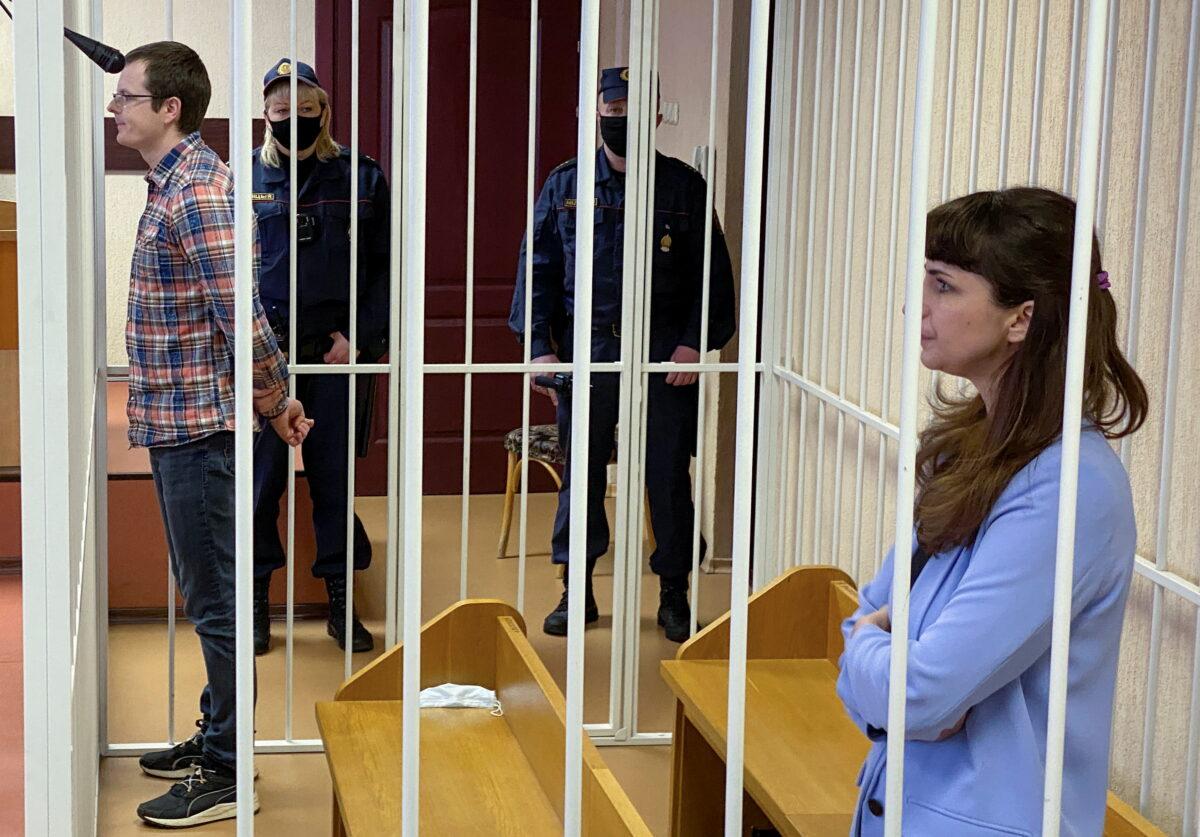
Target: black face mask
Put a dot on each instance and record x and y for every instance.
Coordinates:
(308, 128)
(612, 131)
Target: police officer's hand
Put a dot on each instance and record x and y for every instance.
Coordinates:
(550, 393)
(291, 425)
(683, 354)
(340, 351)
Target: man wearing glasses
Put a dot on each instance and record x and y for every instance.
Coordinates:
(180, 338)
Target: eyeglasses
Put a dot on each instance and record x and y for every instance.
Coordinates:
(122, 99)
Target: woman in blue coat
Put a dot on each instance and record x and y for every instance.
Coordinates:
(996, 304)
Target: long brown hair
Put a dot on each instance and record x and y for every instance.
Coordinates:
(1020, 241)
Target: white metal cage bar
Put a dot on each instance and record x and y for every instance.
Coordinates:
(414, 183)
(743, 466)
(1170, 395)
(469, 326)
(1082, 281)
(241, 29)
(705, 288)
(581, 373)
(906, 474)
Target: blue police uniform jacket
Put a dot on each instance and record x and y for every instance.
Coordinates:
(323, 266)
(979, 646)
(677, 276)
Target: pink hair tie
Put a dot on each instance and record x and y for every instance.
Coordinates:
(1102, 280)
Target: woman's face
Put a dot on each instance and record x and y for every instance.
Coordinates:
(963, 331)
(279, 105)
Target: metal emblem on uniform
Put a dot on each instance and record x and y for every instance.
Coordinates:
(625, 75)
(284, 69)
(665, 244)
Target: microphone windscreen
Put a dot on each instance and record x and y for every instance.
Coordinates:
(107, 58)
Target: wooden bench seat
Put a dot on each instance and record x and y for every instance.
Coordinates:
(480, 773)
(802, 754)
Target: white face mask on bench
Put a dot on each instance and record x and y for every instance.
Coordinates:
(455, 696)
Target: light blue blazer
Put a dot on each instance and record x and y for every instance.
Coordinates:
(979, 644)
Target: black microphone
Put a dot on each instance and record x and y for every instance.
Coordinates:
(107, 58)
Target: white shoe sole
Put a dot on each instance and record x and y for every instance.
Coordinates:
(181, 773)
(223, 811)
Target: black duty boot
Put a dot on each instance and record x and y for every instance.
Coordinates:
(362, 639)
(262, 616)
(556, 622)
(673, 612)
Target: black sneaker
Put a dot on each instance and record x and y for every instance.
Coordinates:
(177, 762)
(556, 622)
(674, 615)
(207, 795)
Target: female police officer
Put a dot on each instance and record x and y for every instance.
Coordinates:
(322, 324)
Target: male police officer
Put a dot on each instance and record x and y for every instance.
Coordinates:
(323, 325)
(675, 313)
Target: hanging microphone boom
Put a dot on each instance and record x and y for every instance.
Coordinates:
(107, 58)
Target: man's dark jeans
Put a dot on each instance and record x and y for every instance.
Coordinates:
(195, 489)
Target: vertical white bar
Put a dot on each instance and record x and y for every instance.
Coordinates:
(906, 472)
(627, 565)
(40, 142)
(1170, 396)
(469, 339)
(788, 353)
(415, 106)
(1110, 77)
(352, 385)
(171, 626)
(977, 98)
(1072, 98)
(1082, 281)
(581, 400)
(1039, 83)
(239, 154)
(643, 102)
(289, 642)
(1010, 28)
(768, 471)
(756, 105)
(394, 353)
(1133, 317)
(951, 74)
(869, 280)
(530, 198)
(169, 19)
(810, 272)
(847, 273)
(831, 199)
(889, 308)
(100, 347)
(705, 284)
(1191, 787)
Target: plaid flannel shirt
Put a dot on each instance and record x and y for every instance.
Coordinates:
(180, 330)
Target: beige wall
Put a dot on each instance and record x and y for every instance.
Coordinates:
(1183, 543)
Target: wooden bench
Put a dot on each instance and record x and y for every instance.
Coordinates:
(480, 773)
(802, 754)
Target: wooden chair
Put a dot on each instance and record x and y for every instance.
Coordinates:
(544, 450)
(480, 773)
